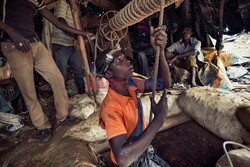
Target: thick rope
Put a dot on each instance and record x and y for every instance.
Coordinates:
(113, 36)
(157, 56)
(135, 11)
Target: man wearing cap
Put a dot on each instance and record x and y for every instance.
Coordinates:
(121, 113)
(25, 53)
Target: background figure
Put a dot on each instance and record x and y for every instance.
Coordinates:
(64, 51)
(142, 49)
(9, 94)
(185, 53)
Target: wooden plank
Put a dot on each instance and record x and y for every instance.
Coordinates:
(105, 4)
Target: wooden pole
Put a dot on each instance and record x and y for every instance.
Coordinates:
(77, 22)
(219, 40)
(75, 9)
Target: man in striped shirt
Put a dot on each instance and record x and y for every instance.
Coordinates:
(64, 51)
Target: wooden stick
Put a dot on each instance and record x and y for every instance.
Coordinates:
(221, 13)
(75, 9)
(77, 22)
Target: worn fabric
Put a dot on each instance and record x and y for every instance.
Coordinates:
(63, 10)
(119, 114)
(213, 72)
(64, 55)
(22, 65)
(19, 15)
(150, 159)
(227, 59)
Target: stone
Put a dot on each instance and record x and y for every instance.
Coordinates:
(81, 106)
(88, 130)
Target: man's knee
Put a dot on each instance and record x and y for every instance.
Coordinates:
(191, 62)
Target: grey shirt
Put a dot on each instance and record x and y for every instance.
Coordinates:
(179, 47)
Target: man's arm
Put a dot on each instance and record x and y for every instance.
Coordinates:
(64, 27)
(180, 56)
(20, 42)
(159, 38)
(128, 152)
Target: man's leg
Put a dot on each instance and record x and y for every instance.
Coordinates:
(191, 65)
(193, 76)
(141, 64)
(76, 65)
(61, 56)
(21, 65)
(4, 106)
(45, 65)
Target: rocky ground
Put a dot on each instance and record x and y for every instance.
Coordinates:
(185, 145)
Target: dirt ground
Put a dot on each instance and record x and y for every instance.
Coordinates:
(187, 145)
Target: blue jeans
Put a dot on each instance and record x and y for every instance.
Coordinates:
(64, 55)
(141, 65)
(4, 105)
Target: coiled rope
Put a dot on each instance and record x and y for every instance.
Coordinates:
(135, 11)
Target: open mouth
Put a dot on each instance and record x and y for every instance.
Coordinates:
(131, 69)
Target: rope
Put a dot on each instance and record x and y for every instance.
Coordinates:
(135, 11)
(113, 36)
(156, 66)
(233, 143)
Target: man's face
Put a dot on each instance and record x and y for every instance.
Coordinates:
(186, 33)
(120, 67)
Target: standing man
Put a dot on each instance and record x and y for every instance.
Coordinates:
(186, 51)
(24, 51)
(64, 51)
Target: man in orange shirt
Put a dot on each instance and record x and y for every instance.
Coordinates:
(121, 112)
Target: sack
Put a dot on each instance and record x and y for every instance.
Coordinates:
(150, 159)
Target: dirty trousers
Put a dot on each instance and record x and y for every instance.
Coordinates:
(187, 63)
(22, 65)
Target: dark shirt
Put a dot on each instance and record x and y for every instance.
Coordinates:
(19, 15)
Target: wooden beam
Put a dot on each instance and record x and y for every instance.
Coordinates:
(49, 1)
(75, 9)
(105, 4)
(77, 22)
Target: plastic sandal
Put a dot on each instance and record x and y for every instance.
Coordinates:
(13, 128)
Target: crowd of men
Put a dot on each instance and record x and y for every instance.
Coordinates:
(121, 113)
